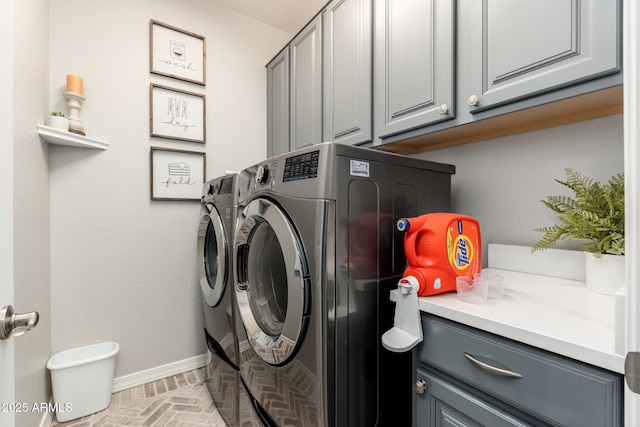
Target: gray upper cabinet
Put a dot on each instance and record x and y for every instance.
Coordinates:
(278, 104)
(414, 64)
(305, 54)
(524, 48)
(440, 73)
(294, 97)
(519, 65)
(346, 27)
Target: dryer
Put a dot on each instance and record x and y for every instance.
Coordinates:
(215, 270)
(316, 256)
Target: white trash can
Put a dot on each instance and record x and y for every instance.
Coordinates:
(82, 379)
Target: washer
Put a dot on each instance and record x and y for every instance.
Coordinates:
(316, 256)
(215, 258)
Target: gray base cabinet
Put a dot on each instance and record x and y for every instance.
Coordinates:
(443, 404)
(477, 378)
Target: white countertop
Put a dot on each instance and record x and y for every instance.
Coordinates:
(555, 314)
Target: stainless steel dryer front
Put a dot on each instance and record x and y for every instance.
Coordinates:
(316, 256)
(215, 266)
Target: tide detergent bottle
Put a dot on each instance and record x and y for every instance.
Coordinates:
(440, 247)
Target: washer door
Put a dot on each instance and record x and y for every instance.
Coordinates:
(272, 282)
(213, 256)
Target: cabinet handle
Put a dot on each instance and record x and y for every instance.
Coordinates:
(444, 109)
(492, 369)
(473, 101)
(420, 386)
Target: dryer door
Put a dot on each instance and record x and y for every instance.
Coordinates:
(272, 281)
(213, 256)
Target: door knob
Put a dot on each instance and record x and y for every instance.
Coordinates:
(420, 386)
(14, 324)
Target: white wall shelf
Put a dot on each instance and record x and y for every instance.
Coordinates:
(60, 137)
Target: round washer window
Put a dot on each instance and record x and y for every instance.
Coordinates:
(271, 282)
(213, 257)
(211, 254)
(267, 273)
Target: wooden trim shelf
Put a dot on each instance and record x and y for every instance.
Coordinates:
(60, 137)
(589, 106)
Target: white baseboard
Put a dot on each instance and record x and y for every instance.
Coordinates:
(160, 372)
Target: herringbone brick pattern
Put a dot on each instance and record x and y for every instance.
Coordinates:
(178, 401)
(288, 394)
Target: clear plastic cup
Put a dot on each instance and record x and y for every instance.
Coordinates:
(473, 291)
(496, 286)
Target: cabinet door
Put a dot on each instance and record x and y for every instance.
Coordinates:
(444, 404)
(306, 82)
(414, 64)
(278, 104)
(346, 30)
(528, 47)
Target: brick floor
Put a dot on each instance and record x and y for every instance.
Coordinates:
(178, 401)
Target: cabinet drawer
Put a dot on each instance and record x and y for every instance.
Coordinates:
(553, 388)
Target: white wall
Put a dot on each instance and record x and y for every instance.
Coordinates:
(502, 181)
(124, 267)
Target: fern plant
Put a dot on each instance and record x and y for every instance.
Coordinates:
(595, 215)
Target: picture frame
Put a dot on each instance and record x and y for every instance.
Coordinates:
(177, 174)
(177, 114)
(177, 53)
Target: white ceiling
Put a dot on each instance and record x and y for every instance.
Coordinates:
(286, 15)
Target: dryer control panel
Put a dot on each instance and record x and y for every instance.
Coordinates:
(302, 166)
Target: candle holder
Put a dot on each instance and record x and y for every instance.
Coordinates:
(75, 105)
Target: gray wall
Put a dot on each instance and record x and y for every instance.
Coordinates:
(501, 181)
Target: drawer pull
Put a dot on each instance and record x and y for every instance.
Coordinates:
(492, 369)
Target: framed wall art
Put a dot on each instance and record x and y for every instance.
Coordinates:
(177, 53)
(177, 114)
(176, 174)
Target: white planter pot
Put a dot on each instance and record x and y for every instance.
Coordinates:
(604, 275)
(59, 122)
